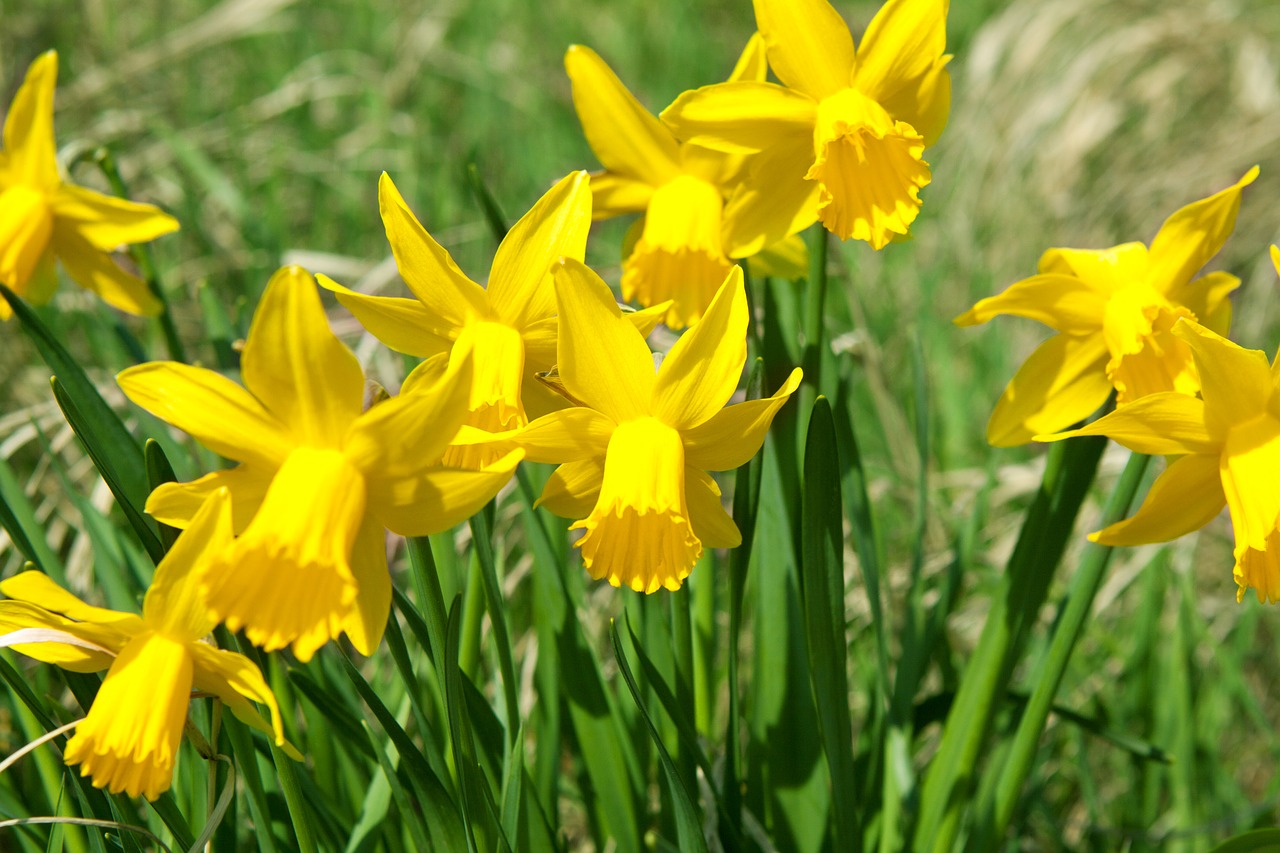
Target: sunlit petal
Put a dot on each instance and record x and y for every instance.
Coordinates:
(573, 488)
(1063, 303)
(711, 524)
(405, 325)
(109, 222)
(734, 434)
(810, 47)
(94, 270)
(174, 604)
(438, 498)
(744, 117)
(1062, 382)
(28, 126)
(613, 194)
(1194, 234)
(1186, 497)
(175, 504)
(1164, 424)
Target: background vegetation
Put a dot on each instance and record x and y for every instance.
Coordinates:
(263, 124)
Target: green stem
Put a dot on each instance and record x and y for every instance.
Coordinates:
(814, 324)
(682, 622)
(993, 818)
(142, 257)
(472, 617)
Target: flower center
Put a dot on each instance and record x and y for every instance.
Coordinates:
(870, 168)
(679, 256)
(26, 224)
(288, 579)
(639, 533)
(1146, 357)
(495, 406)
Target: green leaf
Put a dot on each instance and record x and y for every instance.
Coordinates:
(159, 472)
(18, 519)
(822, 573)
(1257, 841)
(688, 818)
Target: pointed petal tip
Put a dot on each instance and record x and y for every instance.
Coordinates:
(1275, 258)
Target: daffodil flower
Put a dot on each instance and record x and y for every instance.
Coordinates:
(1228, 449)
(684, 246)
(843, 141)
(318, 480)
(634, 454)
(129, 740)
(1114, 310)
(43, 217)
(509, 329)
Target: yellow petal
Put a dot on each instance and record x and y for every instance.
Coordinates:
(425, 266)
(1235, 382)
(368, 617)
(1146, 357)
(735, 433)
(1063, 303)
(1259, 570)
(679, 258)
(438, 498)
(26, 226)
(1164, 424)
(231, 676)
(810, 47)
(39, 589)
(47, 637)
(109, 222)
(603, 361)
(95, 271)
(625, 137)
(1250, 458)
(753, 62)
(401, 436)
(1186, 497)
(209, 407)
(870, 168)
(904, 43)
(495, 403)
(788, 258)
(427, 374)
(520, 289)
(28, 127)
(288, 579)
(294, 364)
(639, 532)
(130, 738)
(1062, 382)
(711, 523)
(925, 103)
(776, 201)
(1193, 235)
(175, 504)
(613, 194)
(569, 435)
(1109, 269)
(405, 325)
(1206, 298)
(174, 604)
(744, 117)
(703, 368)
(1275, 258)
(573, 488)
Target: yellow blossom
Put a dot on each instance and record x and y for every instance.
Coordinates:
(509, 328)
(635, 452)
(1228, 449)
(318, 479)
(694, 224)
(843, 141)
(1114, 310)
(43, 217)
(129, 740)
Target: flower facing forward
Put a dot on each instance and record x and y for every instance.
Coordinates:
(129, 740)
(510, 328)
(689, 236)
(1228, 449)
(43, 217)
(843, 141)
(318, 479)
(1114, 310)
(634, 452)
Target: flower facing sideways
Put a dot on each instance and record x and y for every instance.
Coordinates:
(1114, 310)
(509, 328)
(318, 479)
(693, 224)
(634, 452)
(843, 141)
(129, 740)
(1228, 449)
(42, 217)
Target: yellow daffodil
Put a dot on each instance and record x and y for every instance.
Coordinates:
(129, 740)
(1114, 310)
(318, 479)
(692, 230)
(843, 141)
(1228, 449)
(510, 328)
(43, 217)
(634, 452)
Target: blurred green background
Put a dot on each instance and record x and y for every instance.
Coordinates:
(263, 125)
